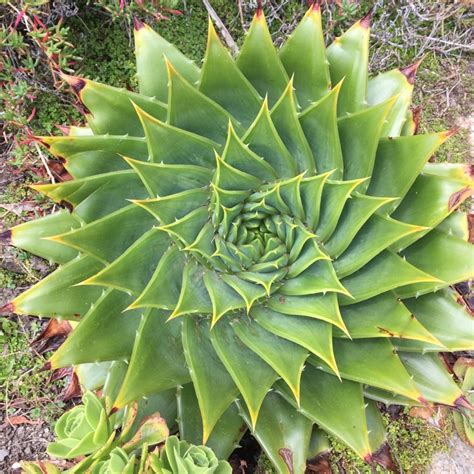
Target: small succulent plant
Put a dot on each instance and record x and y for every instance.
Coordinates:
(82, 430)
(232, 225)
(179, 457)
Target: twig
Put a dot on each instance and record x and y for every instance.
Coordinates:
(45, 163)
(224, 31)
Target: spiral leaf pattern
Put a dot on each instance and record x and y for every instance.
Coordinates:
(232, 225)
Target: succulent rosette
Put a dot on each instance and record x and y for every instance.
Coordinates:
(82, 430)
(234, 224)
(179, 457)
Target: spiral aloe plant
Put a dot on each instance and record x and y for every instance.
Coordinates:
(231, 225)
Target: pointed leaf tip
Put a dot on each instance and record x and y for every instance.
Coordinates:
(410, 71)
(463, 402)
(449, 133)
(64, 129)
(46, 366)
(365, 22)
(315, 5)
(6, 237)
(75, 82)
(137, 24)
(259, 11)
(7, 308)
(383, 457)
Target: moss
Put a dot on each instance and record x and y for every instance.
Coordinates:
(413, 442)
(264, 465)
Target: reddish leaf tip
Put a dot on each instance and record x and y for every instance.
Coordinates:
(383, 457)
(114, 410)
(450, 133)
(368, 458)
(76, 83)
(423, 401)
(463, 402)
(259, 11)
(138, 24)
(410, 72)
(365, 22)
(7, 308)
(64, 129)
(46, 366)
(315, 5)
(6, 237)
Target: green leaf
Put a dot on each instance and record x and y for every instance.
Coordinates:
(238, 155)
(398, 162)
(223, 297)
(283, 433)
(57, 296)
(359, 134)
(172, 145)
(323, 307)
(285, 119)
(151, 49)
(105, 333)
(132, 270)
(111, 110)
(91, 155)
(32, 236)
(430, 200)
(311, 190)
(259, 61)
(191, 110)
(165, 179)
(384, 316)
(333, 200)
(429, 255)
(225, 436)
(337, 407)
(286, 358)
(187, 228)
(249, 292)
(384, 86)
(264, 140)
(320, 277)
(312, 334)
(377, 234)
(227, 177)
(96, 196)
(221, 75)
(356, 213)
(431, 377)
(168, 208)
(443, 316)
(157, 340)
(373, 362)
(164, 286)
(122, 228)
(375, 425)
(207, 373)
(308, 37)
(390, 270)
(251, 374)
(319, 123)
(193, 297)
(348, 58)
